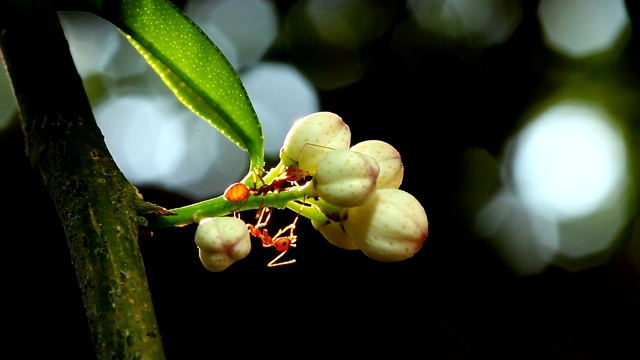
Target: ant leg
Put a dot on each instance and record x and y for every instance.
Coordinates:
(257, 177)
(273, 262)
(259, 216)
(291, 227)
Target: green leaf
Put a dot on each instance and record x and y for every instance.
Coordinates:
(192, 66)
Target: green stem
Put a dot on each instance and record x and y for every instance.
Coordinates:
(297, 198)
(219, 206)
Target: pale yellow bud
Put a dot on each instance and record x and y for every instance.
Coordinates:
(391, 227)
(222, 241)
(312, 137)
(388, 158)
(332, 231)
(345, 178)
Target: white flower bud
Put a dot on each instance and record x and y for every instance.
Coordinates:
(391, 227)
(345, 178)
(391, 169)
(332, 231)
(222, 241)
(312, 137)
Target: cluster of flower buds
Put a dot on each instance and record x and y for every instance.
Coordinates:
(353, 191)
(358, 189)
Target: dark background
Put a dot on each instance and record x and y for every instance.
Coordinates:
(454, 299)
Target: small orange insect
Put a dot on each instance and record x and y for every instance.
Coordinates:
(293, 174)
(238, 192)
(281, 243)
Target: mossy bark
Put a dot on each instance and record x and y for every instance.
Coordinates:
(99, 209)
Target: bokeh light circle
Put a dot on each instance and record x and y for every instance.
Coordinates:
(569, 160)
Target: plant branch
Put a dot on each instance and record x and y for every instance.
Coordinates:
(99, 209)
(219, 206)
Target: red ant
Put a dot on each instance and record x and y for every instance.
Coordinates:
(239, 192)
(280, 243)
(293, 174)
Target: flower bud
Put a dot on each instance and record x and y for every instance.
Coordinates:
(333, 232)
(345, 178)
(391, 227)
(222, 241)
(388, 158)
(312, 137)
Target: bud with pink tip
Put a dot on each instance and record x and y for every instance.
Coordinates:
(388, 158)
(346, 178)
(222, 241)
(312, 137)
(391, 227)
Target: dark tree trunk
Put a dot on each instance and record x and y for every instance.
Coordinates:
(100, 210)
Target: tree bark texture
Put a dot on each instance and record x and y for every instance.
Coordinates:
(99, 209)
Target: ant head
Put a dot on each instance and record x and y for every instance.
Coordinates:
(283, 244)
